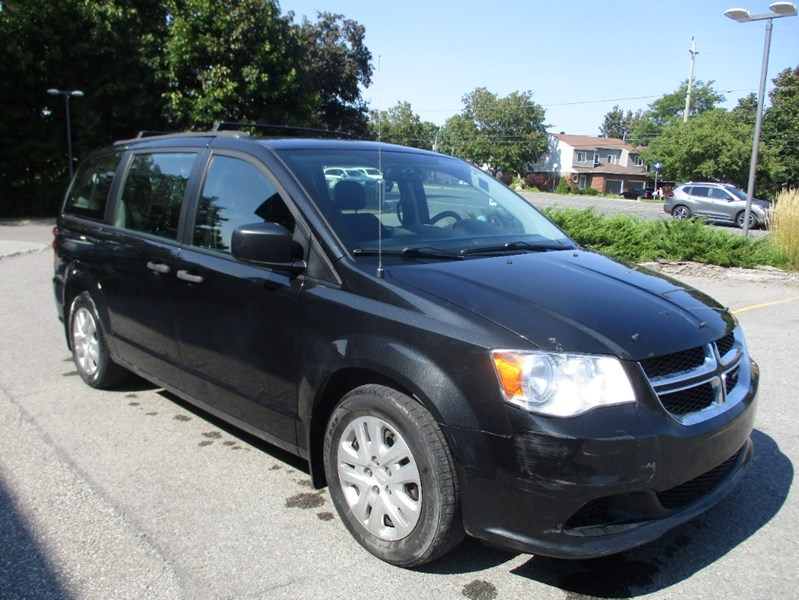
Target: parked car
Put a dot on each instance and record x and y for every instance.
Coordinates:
(718, 202)
(459, 366)
(639, 193)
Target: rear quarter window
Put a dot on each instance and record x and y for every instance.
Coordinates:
(88, 195)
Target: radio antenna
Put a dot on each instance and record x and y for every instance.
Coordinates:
(381, 182)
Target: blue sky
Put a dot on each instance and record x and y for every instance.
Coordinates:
(578, 58)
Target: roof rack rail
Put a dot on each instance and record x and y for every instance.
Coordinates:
(152, 133)
(227, 125)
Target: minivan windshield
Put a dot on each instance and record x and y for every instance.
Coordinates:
(418, 205)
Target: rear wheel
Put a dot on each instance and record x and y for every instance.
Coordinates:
(89, 348)
(392, 477)
(681, 212)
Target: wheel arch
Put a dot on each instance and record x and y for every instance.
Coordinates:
(77, 281)
(400, 369)
(337, 386)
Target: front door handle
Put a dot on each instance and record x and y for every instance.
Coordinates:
(158, 267)
(190, 277)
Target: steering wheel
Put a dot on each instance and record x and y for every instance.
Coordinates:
(444, 215)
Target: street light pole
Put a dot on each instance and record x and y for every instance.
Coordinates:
(67, 95)
(741, 15)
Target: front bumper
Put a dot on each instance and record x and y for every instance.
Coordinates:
(607, 481)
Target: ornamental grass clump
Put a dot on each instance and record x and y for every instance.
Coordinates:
(784, 226)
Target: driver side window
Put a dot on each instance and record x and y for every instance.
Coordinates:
(235, 193)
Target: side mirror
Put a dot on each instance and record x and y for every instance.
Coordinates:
(267, 244)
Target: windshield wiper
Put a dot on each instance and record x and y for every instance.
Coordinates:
(514, 247)
(418, 252)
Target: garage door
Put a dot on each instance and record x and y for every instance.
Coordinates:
(613, 186)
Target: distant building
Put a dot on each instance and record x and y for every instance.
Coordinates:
(609, 165)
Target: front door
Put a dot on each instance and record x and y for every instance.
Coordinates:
(237, 322)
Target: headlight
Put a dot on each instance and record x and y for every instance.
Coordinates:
(561, 385)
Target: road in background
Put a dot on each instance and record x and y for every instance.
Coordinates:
(131, 493)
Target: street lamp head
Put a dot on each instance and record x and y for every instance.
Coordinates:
(65, 93)
(778, 9)
(784, 9)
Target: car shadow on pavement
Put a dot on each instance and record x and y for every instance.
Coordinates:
(25, 571)
(685, 550)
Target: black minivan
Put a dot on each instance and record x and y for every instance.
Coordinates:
(447, 360)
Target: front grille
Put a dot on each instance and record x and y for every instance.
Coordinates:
(725, 344)
(697, 379)
(677, 362)
(689, 400)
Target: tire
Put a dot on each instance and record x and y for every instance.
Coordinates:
(391, 477)
(89, 348)
(681, 212)
(741, 216)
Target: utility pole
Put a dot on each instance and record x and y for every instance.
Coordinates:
(693, 52)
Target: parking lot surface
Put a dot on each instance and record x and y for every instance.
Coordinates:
(131, 493)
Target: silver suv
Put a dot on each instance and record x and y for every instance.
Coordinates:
(720, 202)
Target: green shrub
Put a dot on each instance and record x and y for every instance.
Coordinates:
(563, 186)
(633, 239)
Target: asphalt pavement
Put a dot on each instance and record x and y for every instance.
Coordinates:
(131, 493)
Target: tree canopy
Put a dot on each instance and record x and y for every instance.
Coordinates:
(716, 144)
(400, 125)
(506, 134)
(618, 124)
(161, 65)
(671, 107)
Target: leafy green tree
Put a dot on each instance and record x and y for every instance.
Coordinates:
(400, 125)
(618, 124)
(104, 48)
(781, 131)
(506, 134)
(671, 107)
(336, 63)
(160, 65)
(232, 61)
(613, 124)
(714, 145)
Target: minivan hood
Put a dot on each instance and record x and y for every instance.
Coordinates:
(575, 301)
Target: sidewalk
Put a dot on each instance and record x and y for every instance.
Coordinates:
(25, 236)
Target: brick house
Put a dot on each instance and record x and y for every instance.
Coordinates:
(609, 165)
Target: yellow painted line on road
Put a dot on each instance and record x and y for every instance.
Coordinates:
(764, 305)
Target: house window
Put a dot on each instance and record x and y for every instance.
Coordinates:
(582, 157)
(637, 161)
(612, 159)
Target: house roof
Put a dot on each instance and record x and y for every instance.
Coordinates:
(587, 142)
(612, 169)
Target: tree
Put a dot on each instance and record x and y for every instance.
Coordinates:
(232, 61)
(104, 48)
(715, 145)
(506, 134)
(671, 107)
(400, 125)
(336, 63)
(781, 130)
(618, 124)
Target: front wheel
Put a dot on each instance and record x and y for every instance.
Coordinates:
(391, 477)
(89, 348)
(681, 212)
(740, 218)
